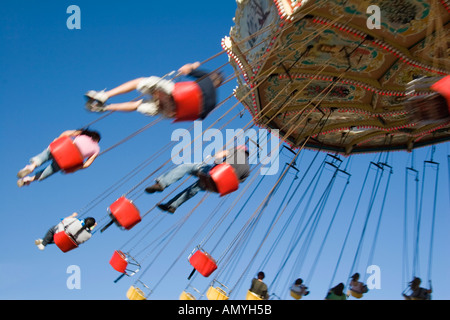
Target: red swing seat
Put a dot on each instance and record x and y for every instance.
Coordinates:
(188, 100)
(203, 262)
(224, 178)
(66, 153)
(124, 213)
(120, 261)
(64, 241)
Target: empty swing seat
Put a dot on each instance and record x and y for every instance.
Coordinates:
(134, 293)
(221, 179)
(203, 262)
(120, 261)
(188, 100)
(216, 293)
(66, 153)
(187, 296)
(124, 213)
(252, 296)
(64, 241)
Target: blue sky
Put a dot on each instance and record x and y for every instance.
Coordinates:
(45, 70)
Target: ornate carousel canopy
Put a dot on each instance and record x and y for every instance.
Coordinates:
(328, 77)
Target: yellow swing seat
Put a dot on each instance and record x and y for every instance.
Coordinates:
(252, 296)
(187, 296)
(357, 295)
(216, 293)
(296, 295)
(134, 293)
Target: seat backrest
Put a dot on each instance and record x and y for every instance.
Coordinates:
(64, 241)
(188, 99)
(203, 263)
(295, 295)
(224, 178)
(134, 293)
(252, 296)
(119, 261)
(216, 293)
(187, 296)
(125, 213)
(353, 293)
(66, 153)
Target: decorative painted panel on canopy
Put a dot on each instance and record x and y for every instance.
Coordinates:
(317, 72)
